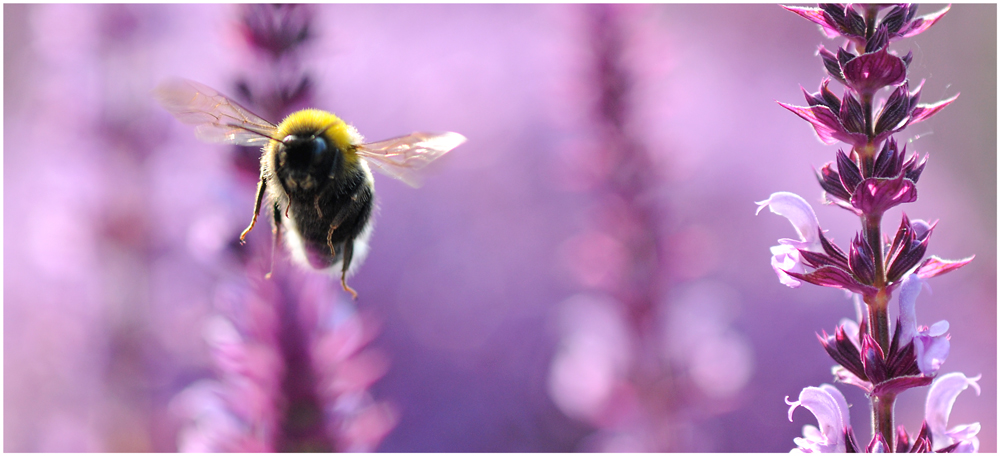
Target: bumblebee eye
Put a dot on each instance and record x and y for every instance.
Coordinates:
(317, 147)
(303, 151)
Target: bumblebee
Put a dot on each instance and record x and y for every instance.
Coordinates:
(314, 168)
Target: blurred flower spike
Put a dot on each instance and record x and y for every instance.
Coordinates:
(276, 29)
(262, 383)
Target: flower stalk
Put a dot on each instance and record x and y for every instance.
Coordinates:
(881, 358)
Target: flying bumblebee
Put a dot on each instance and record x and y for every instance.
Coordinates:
(315, 168)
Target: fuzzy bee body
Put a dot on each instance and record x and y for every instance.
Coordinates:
(326, 190)
(314, 171)
(334, 216)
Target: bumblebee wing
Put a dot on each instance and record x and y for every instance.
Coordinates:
(403, 157)
(216, 118)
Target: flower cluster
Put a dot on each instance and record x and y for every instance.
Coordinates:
(835, 435)
(293, 370)
(872, 177)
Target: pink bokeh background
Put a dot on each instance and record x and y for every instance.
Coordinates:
(490, 281)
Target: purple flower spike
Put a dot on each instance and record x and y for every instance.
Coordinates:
(874, 196)
(870, 72)
(829, 407)
(940, 399)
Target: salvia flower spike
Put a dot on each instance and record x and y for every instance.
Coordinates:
(868, 176)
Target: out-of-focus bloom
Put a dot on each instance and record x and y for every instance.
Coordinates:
(276, 29)
(588, 372)
(830, 408)
(931, 344)
(274, 393)
(843, 119)
(346, 368)
(848, 20)
(829, 265)
(240, 411)
(940, 399)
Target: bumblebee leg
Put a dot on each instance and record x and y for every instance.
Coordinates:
(319, 210)
(276, 234)
(256, 210)
(334, 224)
(348, 253)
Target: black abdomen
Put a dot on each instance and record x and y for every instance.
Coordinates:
(343, 205)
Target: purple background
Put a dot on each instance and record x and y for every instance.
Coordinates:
(114, 211)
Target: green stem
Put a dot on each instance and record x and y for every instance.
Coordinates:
(882, 419)
(878, 327)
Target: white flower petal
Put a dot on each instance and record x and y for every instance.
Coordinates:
(829, 407)
(908, 292)
(940, 399)
(794, 208)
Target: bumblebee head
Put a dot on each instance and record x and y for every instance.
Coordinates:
(315, 146)
(307, 153)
